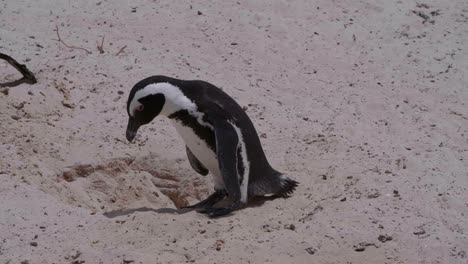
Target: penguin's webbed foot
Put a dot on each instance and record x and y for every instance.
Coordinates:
(216, 212)
(220, 211)
(214, 198)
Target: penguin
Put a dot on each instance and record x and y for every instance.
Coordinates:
(219, 137)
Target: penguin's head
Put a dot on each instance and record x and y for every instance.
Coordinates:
(143, 111)
(153, 96)
(143, 105)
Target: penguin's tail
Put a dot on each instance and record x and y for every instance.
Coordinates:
(287, 186)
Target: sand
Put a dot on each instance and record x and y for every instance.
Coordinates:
(363, 103)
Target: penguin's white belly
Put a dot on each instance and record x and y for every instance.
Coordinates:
(201, 150)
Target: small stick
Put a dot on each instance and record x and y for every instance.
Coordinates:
(28, 76)
(68, 46)
(120, 51)
(101, 47)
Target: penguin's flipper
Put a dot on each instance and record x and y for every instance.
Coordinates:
(196, 164)
(226, 150)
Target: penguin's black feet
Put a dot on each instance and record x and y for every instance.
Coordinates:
(220, 211)
(214, 198)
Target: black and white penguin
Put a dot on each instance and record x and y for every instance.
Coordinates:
(219, 138)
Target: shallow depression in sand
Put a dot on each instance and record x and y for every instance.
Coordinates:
(128, 183)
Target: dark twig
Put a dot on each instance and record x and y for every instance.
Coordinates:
(28, 76)
(66, 45)
(120, 51)
(101, 47)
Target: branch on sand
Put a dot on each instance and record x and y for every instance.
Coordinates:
(101, 47)
(28, 76)
(120, 51)
(66, 45)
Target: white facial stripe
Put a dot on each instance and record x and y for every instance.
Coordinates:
(175, 99)
(133, 106)
(245, 178)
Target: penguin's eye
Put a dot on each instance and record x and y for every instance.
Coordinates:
(140, 108)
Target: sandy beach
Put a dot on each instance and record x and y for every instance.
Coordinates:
(362, 102)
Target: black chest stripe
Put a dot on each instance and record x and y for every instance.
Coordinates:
(203, 132)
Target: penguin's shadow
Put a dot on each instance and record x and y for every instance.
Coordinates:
(260, 200)
(255, 202)
(117, 213)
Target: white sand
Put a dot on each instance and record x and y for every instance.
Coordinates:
(362, 103)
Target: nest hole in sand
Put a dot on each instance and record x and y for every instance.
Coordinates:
(124, 183)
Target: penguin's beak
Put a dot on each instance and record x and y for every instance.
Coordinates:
(132, 129)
